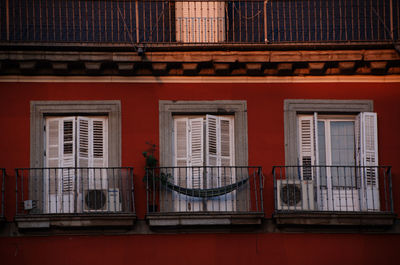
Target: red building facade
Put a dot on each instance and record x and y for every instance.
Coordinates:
(273, 154)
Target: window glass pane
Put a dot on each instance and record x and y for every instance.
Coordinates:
(342, 152)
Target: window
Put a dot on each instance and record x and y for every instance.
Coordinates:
(75, 155)
(236, 109)
(200, 21)
(42, 109)
(206, 144)
(76, 142)
(335, 145)
(203, 140)
(339, 144)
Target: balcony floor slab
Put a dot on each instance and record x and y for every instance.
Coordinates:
(75, 221)
(333, 219)
(203, 219)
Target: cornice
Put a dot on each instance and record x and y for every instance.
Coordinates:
(201, 63)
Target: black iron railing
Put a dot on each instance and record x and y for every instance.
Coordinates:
(204, 189)
(2, 189)
(333, 188)
(77, 190)
(131, 22)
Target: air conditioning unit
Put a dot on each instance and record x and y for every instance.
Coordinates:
(99, 200)
(295, 195)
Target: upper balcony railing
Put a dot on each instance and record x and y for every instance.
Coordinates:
(75, 190)
(333, 189)
(128, 23)
(211, 189)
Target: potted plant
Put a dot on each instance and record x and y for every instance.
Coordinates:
(150, 178)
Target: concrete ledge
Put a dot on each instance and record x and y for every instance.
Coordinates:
(75, 221)
(203, 219)
(333, 219)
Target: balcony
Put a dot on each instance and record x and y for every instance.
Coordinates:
(74, 197)
(182, 23)
(333, 195)
(207, 195)
(150, 38)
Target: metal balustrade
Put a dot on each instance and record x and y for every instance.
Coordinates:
(183, 22)
(2, 189)
(75, 190)
(219, 189)
(333, 188)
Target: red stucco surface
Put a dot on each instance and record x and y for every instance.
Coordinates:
(212, 249)
(139, 106)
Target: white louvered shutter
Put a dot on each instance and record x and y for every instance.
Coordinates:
(219, 149)
(188, 142)
(99, 135)
(181, 159)
(358, 156)
(220, 152)
(200, 21)
(83, 142)
(226, 150)
(369, 159)
(196, 151)
(92, 142)
(53, 153)
(212, 151)
(68, 154)
(306, 145)
(92, 152)
(60, 153)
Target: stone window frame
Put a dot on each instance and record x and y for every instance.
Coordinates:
(292, 107)
(41, 109)
(169, 108)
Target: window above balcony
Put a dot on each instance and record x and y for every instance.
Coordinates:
(204, 178)
(332, 174)
(75, 178)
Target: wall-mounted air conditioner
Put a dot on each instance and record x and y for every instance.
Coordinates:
(295, 195)
(101, 200)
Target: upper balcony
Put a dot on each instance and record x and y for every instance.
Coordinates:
(204, 195)
(199, 37)
(333, 195)
(201, 23)
(74, 197)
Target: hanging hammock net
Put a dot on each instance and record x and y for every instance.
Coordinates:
(200, 193)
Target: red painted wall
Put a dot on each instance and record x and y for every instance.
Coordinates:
(139, 103)
(210, 249)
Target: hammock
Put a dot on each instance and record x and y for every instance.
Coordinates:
(201, 193)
